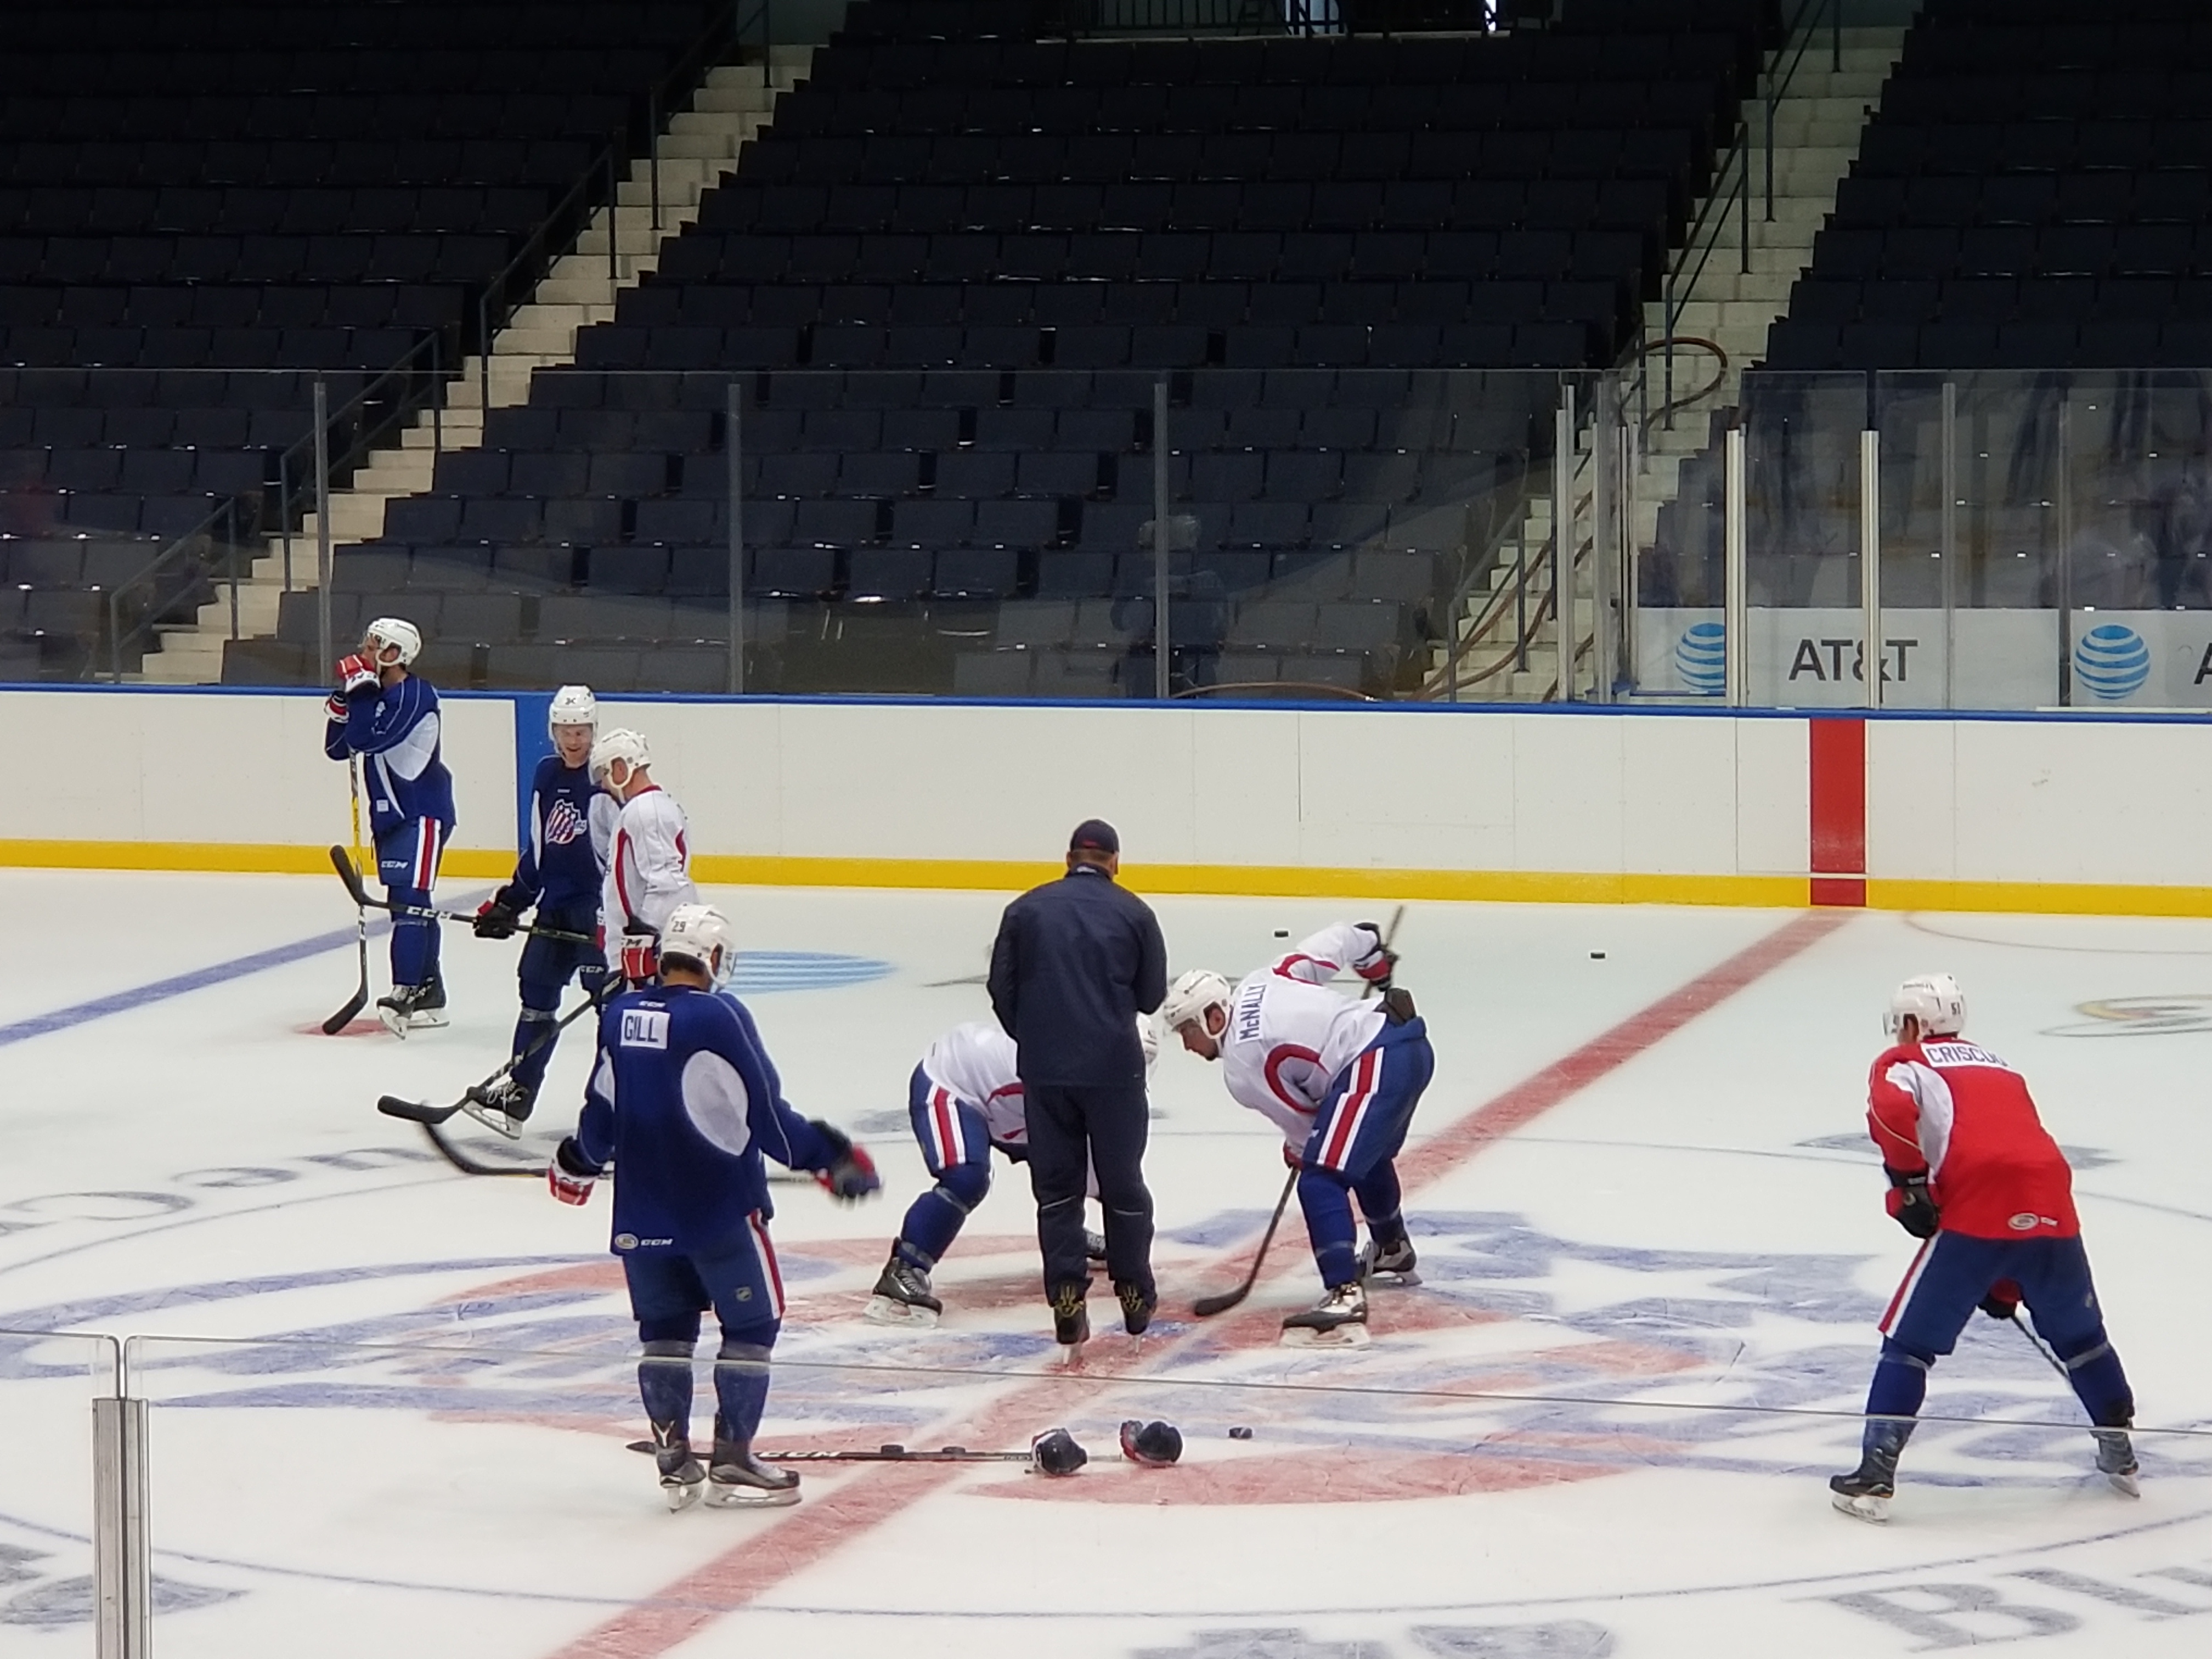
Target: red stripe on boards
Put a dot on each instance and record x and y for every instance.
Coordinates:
(1836, 747)
(839, 1511)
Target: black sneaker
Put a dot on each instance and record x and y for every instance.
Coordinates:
(1138, 1302)
(737, 1480)
(682, 1476)
(1071, 1320)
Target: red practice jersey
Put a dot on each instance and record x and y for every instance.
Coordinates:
(1954, 1111)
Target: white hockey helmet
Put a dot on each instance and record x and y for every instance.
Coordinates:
(699, 934)
(1933, 999)
(398, 633)
(619, 745)
(1191, 995)
(573, 705)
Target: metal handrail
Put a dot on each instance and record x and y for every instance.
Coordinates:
(117, 639)
(564, 225)
(295, 465)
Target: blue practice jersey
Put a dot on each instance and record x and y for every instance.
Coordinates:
(684, 1102)
(571, 823)
(395, 730)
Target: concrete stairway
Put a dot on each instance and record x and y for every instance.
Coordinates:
(699, 145)
(1816, 135)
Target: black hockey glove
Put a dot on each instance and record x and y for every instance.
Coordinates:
(1398, 1005)
(1911, 1206)
(2003, 1300)
(850, 1175)
(498, 915)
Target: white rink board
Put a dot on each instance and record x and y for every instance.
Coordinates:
(1645, 1325)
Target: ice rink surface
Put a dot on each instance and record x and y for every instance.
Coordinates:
(390, 1400)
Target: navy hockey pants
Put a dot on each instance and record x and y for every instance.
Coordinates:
(668, 1292)
(1355, 1137)
(1107, 1124)
(407, 863)
(548, 965)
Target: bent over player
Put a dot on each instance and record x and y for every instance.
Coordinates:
(389, 718)
(965, 1101)
(684, 1102)
(1973, 1172)
(559, 870)
(649, 861)
(1341, 1080)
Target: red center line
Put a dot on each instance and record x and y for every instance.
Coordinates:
(864, 1499)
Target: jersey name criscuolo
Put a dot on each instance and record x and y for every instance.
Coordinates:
(1952, 1110)
(649, 865)
(572, 828)
(1289, 1035)
(974, 1064)
(684, 1102)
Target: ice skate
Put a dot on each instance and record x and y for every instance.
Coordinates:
(1071, 1320)
(1339, 1320)
(682, 1476)
(1094, 1246)
(902, 1297)
(736, 1480)
(502, 1107)
(412, 1008)
(2116, 1461)
(1138, 1303)
(1390, 1267)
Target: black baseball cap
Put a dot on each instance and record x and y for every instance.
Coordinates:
(1095, 835)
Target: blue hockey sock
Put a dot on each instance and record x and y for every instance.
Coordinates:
(740, 1390)
(1900, 1383)
(1379, 1200)
(413, 938)
(933, 1220)
(2101, 1385)
(535, 1034)
(664, 1382)
(1328, 1210)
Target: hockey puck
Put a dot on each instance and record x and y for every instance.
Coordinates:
(1597, 955)
(1282, 932)
(1240, 1432)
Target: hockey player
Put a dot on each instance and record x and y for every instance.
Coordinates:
(684, 1102)
(389, 718)
(1973, 1172)
(1340, 1078)
(560, 871)
(965, 1101)
(649, 862)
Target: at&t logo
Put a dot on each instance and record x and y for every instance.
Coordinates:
(1701, 658)
(2112, 661)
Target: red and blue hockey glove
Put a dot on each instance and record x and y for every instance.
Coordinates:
(1376, 968)
(640, 956)
(335, 706)
(2003, 1300)
(568, 1175)
(357, 673)
(1909, 1204)
(850, 1175)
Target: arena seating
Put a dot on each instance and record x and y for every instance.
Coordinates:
(944, 281)
(2033, 193)
(203, 206)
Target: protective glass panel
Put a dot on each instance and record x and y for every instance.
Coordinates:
(47, 1385)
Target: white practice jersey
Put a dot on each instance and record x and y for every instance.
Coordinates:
(1289, 1035)
(649, 865)
(974, 1063)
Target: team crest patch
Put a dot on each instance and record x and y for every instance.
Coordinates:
(563, 824)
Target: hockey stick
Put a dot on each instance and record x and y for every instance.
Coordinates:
(467, 1164)
(881, 1454)
(1206, 1306)
(418, 1111)
(2050, 1357)
(351, 878)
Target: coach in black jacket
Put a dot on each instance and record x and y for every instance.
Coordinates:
(1076, 961)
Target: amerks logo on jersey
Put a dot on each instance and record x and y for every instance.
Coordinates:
(563, 824)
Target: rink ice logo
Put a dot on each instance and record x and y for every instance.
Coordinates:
(31, 1600)
(2112, 662)
(644, 1028)
(563, 824)
(2145, 1016)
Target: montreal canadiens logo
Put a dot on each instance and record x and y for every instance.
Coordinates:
(563, 824)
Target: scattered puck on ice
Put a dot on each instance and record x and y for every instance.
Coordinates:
(1282, 932)
(1597, 955)
(1240, 1432)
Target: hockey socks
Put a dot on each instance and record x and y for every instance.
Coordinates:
(1900, 1382)
(933, 1220)
(1326, 1205)
(664, 1382)
(2100, 1384)
(740, 1391)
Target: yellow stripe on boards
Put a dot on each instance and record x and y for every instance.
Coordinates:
(2056, 898)
(236, 857)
